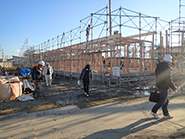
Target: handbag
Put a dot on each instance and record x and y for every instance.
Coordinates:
(154, 96)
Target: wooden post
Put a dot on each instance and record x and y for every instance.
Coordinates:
(114, 55)
(152, 54)
(111, 57)
(141, 56)
(133, 60)
(161, 45)
(65, 59)
(167, 43)
(135, 64)
(118, 52)
(70, 59)
(182, 51)
(127, 57)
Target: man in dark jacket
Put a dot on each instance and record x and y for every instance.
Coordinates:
(86, 76)
(163, 83)
(36, 77)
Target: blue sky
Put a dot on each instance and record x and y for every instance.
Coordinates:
(40, 20)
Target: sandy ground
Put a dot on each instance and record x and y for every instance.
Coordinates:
(100, 93)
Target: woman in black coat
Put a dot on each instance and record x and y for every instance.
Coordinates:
(86, 77)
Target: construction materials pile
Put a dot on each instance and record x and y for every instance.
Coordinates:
(10, 87)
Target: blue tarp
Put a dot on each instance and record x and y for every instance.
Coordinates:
(25, 71)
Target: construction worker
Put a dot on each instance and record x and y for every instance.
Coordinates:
(48, 71)
(88, 31)
(36, 77)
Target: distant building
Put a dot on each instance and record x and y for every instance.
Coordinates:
(1, 62)
(16, 61)
(6, 64)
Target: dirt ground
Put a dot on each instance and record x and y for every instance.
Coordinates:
(100, 93)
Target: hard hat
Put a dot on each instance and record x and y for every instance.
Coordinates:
(168, 58)
(47, 63)
(42, 63)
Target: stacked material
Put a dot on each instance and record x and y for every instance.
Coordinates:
(10, 87)
(28, 87)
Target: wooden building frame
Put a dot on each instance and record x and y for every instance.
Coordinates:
(138, 53)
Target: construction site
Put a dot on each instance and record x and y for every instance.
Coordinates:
(122, 44)
(122, 47)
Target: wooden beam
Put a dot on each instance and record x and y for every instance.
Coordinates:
(143, 34)
(167, 42)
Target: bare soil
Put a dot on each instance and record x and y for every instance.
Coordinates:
(100, 93)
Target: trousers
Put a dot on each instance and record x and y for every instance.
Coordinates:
(37, 89)
(163, 102)
(48, 79)
(86, 86)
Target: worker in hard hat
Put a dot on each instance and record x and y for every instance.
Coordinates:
(163, 83)
(36, 77)
(48, 71)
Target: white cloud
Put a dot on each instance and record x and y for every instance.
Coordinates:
(18, 50)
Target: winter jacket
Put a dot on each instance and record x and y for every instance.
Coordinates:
(45, 71)
(163, 77)
(86, 74)
(37, 73)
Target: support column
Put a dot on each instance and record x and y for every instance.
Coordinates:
(152, 54)
(182, 52)
(161, 46)
(141, 56)
(167, 43)
(127, 57)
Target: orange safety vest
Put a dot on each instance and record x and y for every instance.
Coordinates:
(35, 66)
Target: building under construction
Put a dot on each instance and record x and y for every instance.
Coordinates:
(130, 53)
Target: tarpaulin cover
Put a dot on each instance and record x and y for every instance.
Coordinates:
(25, 71)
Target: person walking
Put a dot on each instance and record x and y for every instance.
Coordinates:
(36, 77)
(48, 71)
(163, 83)
(86, 77)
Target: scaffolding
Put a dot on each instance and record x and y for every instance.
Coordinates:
(133, 47)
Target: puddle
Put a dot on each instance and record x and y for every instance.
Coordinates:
(147, 92)
(144, 93)
(93, 89)
(144, 90)
(145, 87)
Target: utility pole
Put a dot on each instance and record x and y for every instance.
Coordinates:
(110, 17)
